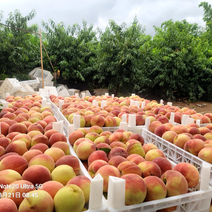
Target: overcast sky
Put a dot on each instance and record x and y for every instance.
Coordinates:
(98, 12)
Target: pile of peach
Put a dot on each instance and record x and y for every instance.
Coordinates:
(37, 171)
(116, 107)
(192, 138)
(123, 154)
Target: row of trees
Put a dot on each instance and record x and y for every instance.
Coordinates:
(175, 63)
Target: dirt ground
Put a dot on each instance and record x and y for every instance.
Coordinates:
(199, 106)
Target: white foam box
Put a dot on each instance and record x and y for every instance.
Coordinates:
(173, 152)
(194, 201)
(10, 85)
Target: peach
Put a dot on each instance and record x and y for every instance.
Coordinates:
(135, 189)
(94, 166)
(194, 146)
(8, 176)
(48, 127)
(149, 168)
(4, 142)
(33, 133)
(40, 138)
(101, 139)
(153, 125)
(98, 120)
(85, 149)
(198, 136)
(193, 130)
(163, 163)
(160, 130)
(205, 154)
(106, 171)
(118, 144)
(4, 128)
(31, 153)
(63, 174)
(44, 160)
(40, 146)
(55, 152)
(127, 133)
(154, 153)
(106, 133)
(80, 140)
(49, 119)
(175, 182)
(156, 189)
(138, 137)
(208, 143)
(39, 200)
(135, 158)
(117, 151)
(7, 205)
(127, 167)
(181, 139)
(118, 136)
(52, 187)
(37, 175)
(17, 190)
(204, 130)
(204, 119)
(116, 160)
(17, 127)
(69, 198)
(12, 135)
(208, 135)
(179, 129)
(88, 120)
(70, 160)
(57, 137)
(110, 121)
(83, 130)
(74, 136)
(17, 146)
(82, 182)
(169, 136)
(190, 173)
(24, 137)
(14, 162)
(92, 136)
(149, 146)
(50, 132)
(63, 146)
(35, 126)
(99, 154)
(42, 123)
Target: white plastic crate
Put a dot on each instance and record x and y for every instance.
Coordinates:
(37, 72)
(10, 85)
(33, 83)
(47, 91)
(173, 152)
(195, 201)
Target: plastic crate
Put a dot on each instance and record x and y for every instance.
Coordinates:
(33, 83)
(37, 72)
(47, 91)
(195, 201)
(10, 85)
(173, 152)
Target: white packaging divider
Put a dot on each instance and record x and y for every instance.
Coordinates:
(70, 129)
(43, 103)
(77, 95)
(189, 121)
(7, 94)
(106, 94)
(169, 104)
(171, 120)
(94, 103)
(143, 104)
(76, 120)
(124, 118)
(96, 191)
(194, 201)
(116, 192)
(61, 102)
(184, 117)
(48, 104)
(132, 120)
(171, 151)
(103, 103)
(132, 102)
(136, 129)
(198, 122)
(58, 126)
(5, 104)
(112, 95)
(123, 125)
(82, 95)
(132, 94)
(161, 101)
(137, 103)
